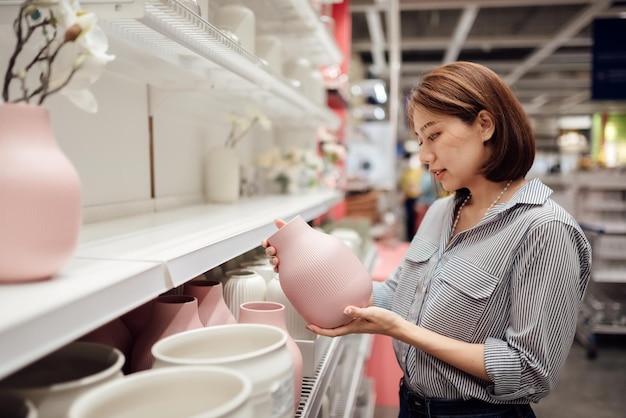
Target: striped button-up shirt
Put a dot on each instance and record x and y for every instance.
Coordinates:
(514, 282)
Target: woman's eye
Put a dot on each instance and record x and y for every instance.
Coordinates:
(432, 137)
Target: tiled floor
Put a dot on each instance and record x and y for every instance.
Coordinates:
(587, 388)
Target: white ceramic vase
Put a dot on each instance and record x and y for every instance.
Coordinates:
(200, 391)
(258, 351)
(54, 382)
(269, 48)
(261, 266)
(222, 175)
(238, 22)
(243, 285)
(14, 406)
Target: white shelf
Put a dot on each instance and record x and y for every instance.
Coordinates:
(192, 53)
(123, 263)
(43, 316)
(192, 240)
(299, 27)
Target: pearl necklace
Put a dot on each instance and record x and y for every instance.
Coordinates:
(458, 214)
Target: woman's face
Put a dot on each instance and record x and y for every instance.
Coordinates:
(453, 150)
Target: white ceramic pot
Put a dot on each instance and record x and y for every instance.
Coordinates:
(55, 381)
(261, 266)
(15, 406)
(258, 351)
(241, 286)
(270, 49)
(222, 175)
(238, 22)
(200, 391)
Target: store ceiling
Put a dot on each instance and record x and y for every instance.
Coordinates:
(542, 48)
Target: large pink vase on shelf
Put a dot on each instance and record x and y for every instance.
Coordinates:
(272, 313)
(40, 191)
(171, 314)
(319, 273)
(212, 307)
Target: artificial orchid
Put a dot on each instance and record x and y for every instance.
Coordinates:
(70, 56)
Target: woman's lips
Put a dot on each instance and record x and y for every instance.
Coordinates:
(438, 174)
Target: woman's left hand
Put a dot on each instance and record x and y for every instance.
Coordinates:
(370, 320)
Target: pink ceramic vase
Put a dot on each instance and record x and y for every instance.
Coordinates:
(296, 324)
(272, 313)
(319, 273)
(138, 319)
(40, 191)
(171, 314)
(211, 305)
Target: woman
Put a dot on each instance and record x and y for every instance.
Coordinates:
(483, 308)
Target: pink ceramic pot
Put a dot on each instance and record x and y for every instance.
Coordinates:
(319, 273)
(171, 314)
(40, 191)
(272, 313)
(212, 307)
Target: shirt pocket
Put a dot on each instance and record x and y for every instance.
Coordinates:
(460, 299)
(412, 277)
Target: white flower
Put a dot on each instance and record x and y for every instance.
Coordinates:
(89, 53)
(73, 61)
(240, 126)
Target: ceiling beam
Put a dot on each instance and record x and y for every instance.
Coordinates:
(407, 5)
(568, 32)
(476, 42)
(460, 33)
(377, 44)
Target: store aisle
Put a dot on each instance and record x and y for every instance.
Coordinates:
(588, 388)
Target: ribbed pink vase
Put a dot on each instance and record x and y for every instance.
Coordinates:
(319, 273)
(40, 191)
(212, 307)
(273, 313)
(171, 314)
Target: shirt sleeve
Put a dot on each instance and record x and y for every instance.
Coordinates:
(383, 291)
(550, 276)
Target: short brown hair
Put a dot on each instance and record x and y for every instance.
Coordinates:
(462, 90)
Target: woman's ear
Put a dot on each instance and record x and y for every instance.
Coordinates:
(487, 125)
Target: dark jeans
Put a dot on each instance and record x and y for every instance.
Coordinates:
(412, 406)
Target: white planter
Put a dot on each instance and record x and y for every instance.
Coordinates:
(55, 381)
(241, 286)
(14, 406)
(200, 391)
(238, 22)
(222, 175)
(258, 351)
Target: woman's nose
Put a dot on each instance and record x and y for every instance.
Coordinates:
(426, 157)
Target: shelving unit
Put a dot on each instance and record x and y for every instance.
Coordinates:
(122, 263)
(199, 55)
(601, 210)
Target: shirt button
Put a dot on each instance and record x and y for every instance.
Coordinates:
(531, 391)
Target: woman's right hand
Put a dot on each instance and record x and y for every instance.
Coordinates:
(271, 251)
